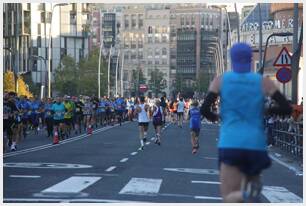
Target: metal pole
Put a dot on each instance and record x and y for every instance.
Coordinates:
(295, 63)
(260, 36)
(238, 23)
(117, 72)
(49, 54)
(108, 73)
(99, 73)
(121, 75)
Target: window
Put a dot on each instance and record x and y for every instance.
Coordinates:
(156, 29)
(126, 43)
(73, 19)
(140, 43)
(126, 55)
(126, 21)
(133, 56)
(164, 39)
(192, 20)
(164, 29)
(140, 19)
(164, 61)
(140, 55)
(133, 21)
(150, 39)
(39, 41)
(133, 44)
(150, 53)
(150, 30)
(157, 52)
(182, 20)
(157, 38)
(164, 51)
(42, 17)
(150, 62)
(156, 61)
(39, 29)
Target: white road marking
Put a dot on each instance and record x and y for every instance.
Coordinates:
(62, 200)
(110, 169)
(124, 160)
(73, 184)
(297, 171)
(195, 171)
(147, 143)
(95, 174)
(211, 158)
(25, 176)
(280, 195)
(152, 138)
(206, 182)
(46, 146)
(208, 198)
(45, 165)
(142, 186)
(133, 153)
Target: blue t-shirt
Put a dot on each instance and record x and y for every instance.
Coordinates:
(242, 109)
(195, 118)
(102, 105)
(59, 111)
(48, 110)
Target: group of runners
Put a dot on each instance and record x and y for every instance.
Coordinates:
(242, 145)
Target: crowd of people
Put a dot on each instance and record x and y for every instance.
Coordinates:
(236, 97)
(71, 115)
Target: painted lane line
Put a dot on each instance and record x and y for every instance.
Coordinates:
(110, 169)
(96, 174)
(63, 200)
(210, 158)
(142, 186)
(280, 195)
(134, 153)
(25, 176)
(147, 143)
(194, 171)
(297, 171)
(124, 160)
(208, 198)
(74, 184)
(206, 182)
(46, 146)
(152, 138)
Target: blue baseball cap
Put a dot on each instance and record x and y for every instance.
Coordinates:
(241, 57)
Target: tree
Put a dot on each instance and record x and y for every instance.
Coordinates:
(9, 81)
(66, 76)
(23, 89)
(157, 81)
(138, 78)
(88, 74)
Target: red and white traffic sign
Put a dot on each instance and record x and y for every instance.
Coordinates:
(283, 58)
(283, 75)
(143, 88)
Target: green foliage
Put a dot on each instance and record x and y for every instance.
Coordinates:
(138, 77)
(157, 81)
(75, 79)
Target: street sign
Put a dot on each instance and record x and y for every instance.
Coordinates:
(143, 87)
(283, 75)
(283, 58)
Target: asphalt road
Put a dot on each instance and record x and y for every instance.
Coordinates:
(108, 167)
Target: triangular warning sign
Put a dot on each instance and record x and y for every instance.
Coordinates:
(283, 59)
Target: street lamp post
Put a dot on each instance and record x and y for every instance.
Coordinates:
(41, 79)
(99, 73)
(238, 23)
(117, 72)
(108, 72)
(121, 74)
(49, 49)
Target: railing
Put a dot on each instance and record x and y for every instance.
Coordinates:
(288, 136)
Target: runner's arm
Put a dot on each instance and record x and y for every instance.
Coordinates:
(283, 107)
(213, 93)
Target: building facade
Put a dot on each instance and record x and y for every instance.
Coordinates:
(27, 31)
(281, 21)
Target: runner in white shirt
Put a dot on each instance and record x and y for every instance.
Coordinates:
(143, 120)
(180, 112)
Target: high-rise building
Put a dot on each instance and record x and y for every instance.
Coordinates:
(252, 15)
(27, 28)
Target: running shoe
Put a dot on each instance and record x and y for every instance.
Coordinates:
(194, 150)
(251, 192)
(141, 148)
